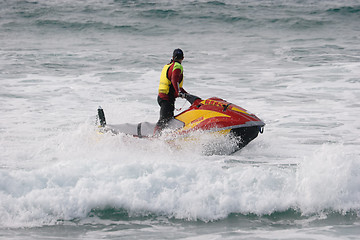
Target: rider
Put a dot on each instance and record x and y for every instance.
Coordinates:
(170, 87)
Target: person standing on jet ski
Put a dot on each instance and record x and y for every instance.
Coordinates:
(170, 87)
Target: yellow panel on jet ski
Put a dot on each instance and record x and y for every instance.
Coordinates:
(238, 110)
(193, 118)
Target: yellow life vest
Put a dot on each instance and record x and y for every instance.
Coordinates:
(165, 83)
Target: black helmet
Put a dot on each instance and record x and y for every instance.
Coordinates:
(178, 54)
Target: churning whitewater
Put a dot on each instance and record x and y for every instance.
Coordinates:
(293, 64)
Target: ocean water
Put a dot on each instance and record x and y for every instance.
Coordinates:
(295, 64)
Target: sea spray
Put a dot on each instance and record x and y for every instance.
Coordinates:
(328, 180)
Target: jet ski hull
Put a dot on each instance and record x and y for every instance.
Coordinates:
(245, 135)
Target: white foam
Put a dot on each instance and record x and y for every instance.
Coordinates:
(53, 166)
(85, 171)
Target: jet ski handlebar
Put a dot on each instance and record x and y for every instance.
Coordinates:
(189, 97)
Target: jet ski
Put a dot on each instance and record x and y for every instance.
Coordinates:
(212, 115)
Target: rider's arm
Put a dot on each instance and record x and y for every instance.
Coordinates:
(175, 80)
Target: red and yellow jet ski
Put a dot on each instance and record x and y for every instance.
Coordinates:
(212, 115)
